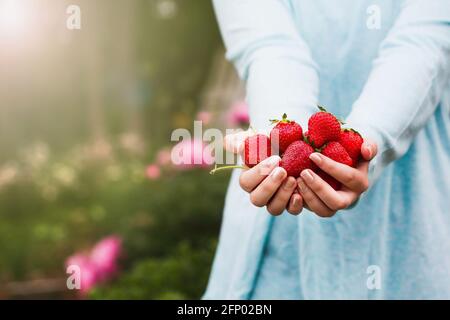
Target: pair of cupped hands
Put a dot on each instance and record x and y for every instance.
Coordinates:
(269, 186)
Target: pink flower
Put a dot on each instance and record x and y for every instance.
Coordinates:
(104, 256)
(163, 157)
(99, 265)
(238, 114)
(153, 172)
(88, 272)
(191, 153)
(204, 116)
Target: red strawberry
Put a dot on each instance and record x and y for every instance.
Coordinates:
(335, 151)
(256, 149)
(336, 185)
(323, 127)
(285, 132)
(296, 158)
(351, 140)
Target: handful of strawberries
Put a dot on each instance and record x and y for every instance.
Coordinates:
(287, 139)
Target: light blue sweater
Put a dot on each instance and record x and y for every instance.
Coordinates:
(390, 83)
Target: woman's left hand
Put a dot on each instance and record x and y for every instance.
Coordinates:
(320, 197)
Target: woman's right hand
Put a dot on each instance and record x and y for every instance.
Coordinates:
(267, 183)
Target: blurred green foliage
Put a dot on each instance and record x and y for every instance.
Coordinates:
(130, 66)
(181, 275)
(66, 177)
(171, 224)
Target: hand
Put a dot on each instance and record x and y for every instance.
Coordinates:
(267, 183)
(320, 197)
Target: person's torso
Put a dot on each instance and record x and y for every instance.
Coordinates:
(400, 228)
(335, 256)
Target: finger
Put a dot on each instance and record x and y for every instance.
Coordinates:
(295, 204)
(369, 149)
(251, 178)
(363, 166)
(281, 198)
(330, 197)
(234, 142)
(354, 179)
(266, 189)
(312, 200)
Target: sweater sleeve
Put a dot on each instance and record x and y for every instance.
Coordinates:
(271, 57)
(407, 81)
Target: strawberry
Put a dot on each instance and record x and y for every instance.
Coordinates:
(285, 132)
(335, 151)
(323, 127)
(336, 185)
(296, 158)
(256, 149)
(351, 140)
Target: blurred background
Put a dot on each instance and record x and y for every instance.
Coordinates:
(85, 122)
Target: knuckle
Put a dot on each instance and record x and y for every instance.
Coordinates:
(266, 187)
(331, 214)
(243, 182)
(320, 213)
(256, 201)
(346, 203)
(339, 205)
(317, 186)
(350, 177)
(264, 168)
(364, 184)
(335, 206)
(326, 214)
(274, 211)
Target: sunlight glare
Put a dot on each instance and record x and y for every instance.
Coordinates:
(13, 17)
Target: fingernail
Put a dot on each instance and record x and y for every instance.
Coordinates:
(277, 174)
(295, 201)
(268, 164)
(316, 158)
(369, 150)
(301, 186)
(290, 183)
(307, 176)
(273, 160)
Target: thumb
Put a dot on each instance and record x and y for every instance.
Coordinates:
(369, 149)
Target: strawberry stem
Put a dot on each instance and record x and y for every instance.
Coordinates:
(217, 169)
(284, 119)
(306, 140)
(351, 130)
(321, 108)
